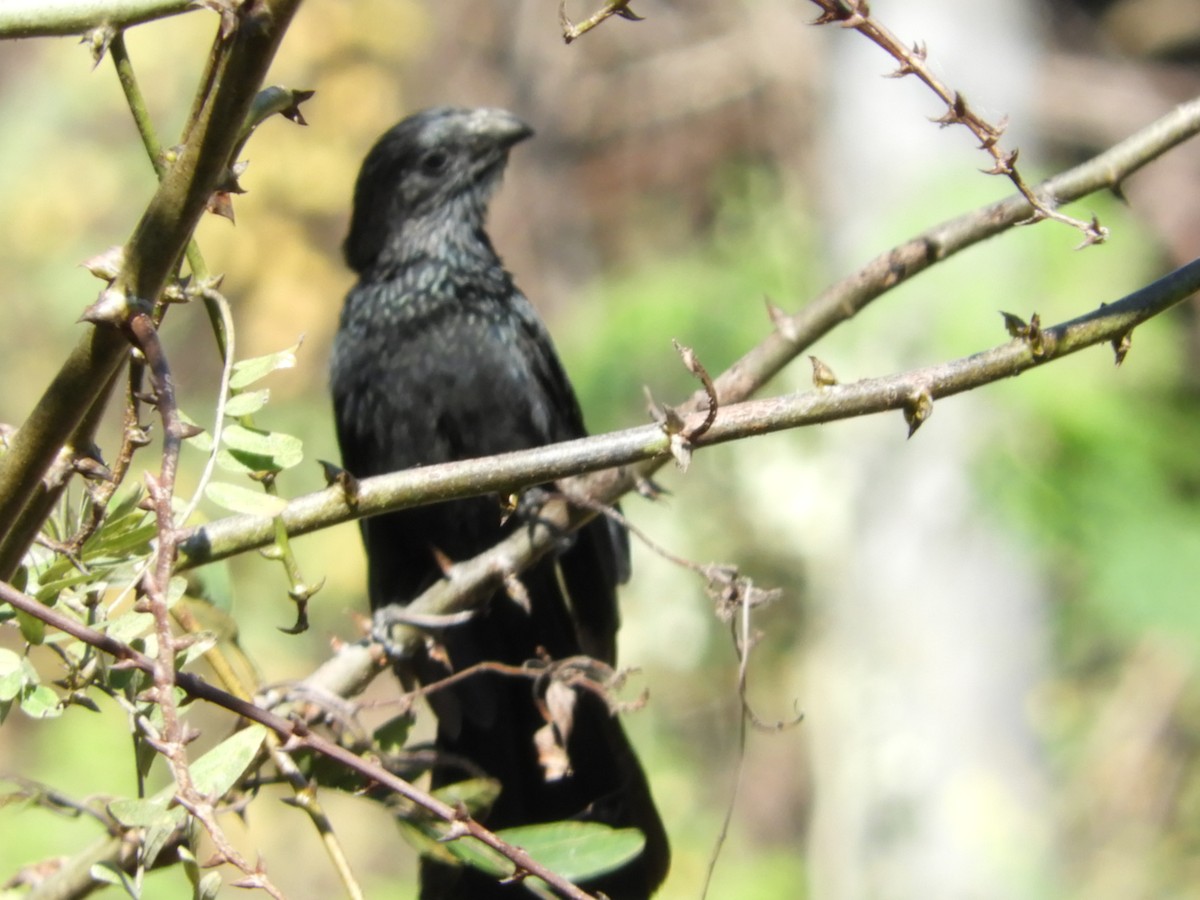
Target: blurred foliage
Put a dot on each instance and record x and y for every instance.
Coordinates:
(1092, 468)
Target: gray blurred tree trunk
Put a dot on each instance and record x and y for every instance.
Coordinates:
(930, 782)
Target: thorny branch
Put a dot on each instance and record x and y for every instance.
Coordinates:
(856, 14)
(295, 735)
(243, 49)
(467, 581)
(912, 392)
(510, 472)
(172, 740)
(571, 32)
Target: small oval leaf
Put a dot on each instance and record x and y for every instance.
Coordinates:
(279, 450)
(236, 498)
(247, 403)
(249, 371)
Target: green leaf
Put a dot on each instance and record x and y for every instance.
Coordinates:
(200, 643)
(219, 769)
(240, 463)
(246, 404)
(209, 887)
(482, 857)
(201, 441)
(33, 629)
(250, 444)
(50, 588)
(160, 831)
(12, 674)
(213, 774)
(577, 850)
(249, 371)
(392, 734)
(139, 812)
(121, 536)
(476, 794)
(109, 873)
(425, 832)
(130, 625)
(39, 702)
(239, 499)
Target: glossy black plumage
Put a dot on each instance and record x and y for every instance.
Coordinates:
(440, 357)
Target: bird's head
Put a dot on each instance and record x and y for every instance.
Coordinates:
(435, 168)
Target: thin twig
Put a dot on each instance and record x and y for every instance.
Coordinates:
(239, 62)
(37, 18)
(294, 734)
(571, 32)
(510, 472)
(856, 14)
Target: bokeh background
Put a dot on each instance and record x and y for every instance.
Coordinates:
(991, 629)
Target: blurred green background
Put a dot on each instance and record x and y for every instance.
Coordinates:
(991, 629)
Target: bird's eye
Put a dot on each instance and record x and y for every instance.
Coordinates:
(434, 162)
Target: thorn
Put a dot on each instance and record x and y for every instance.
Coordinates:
(1015, 325)
(336, 475)
(292, 113)
(92, 469)
(98, 40)
(515, 589)
(993, 133)
(1004, 164)
(221, 204)
(822, 375)
(781, 321)
(301, 624)
(1035, 338)
(107, 265)
(917, 408)
(112, 307)
(1094, 233)
(1121, 346)
(681, 450)
(444, 563)
(666, 416)
(509, 504)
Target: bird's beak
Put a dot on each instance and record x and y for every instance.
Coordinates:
(499, 125)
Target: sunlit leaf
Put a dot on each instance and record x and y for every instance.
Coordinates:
(240, 499)
(40, 702)
(577, 850)
(268, 450)
(12, 674)
(246, 404)
(249, 371)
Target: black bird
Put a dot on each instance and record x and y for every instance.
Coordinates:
(440, 357)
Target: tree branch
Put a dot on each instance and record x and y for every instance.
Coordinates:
(792, 336)
(150, 256)
(843, 300)
(511, 472)
(295, 735)
(51, 18)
